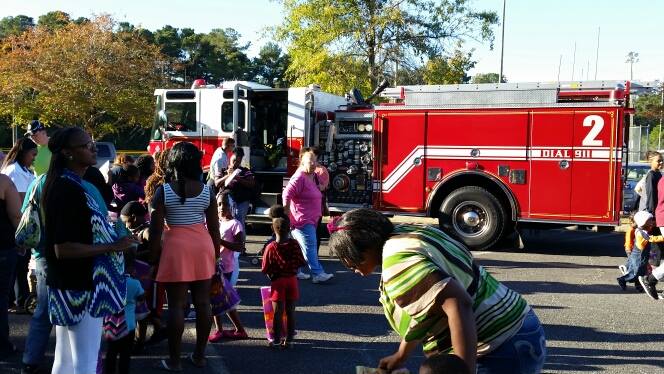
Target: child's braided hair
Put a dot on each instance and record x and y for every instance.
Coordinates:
(159, 176)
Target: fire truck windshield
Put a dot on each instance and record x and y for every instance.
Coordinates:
(159, 120)
(227, 116)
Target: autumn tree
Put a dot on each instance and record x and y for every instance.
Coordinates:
(341, 43)
(80, 74)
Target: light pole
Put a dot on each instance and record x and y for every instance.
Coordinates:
(502, 46)
(632, 58)
(661, 108)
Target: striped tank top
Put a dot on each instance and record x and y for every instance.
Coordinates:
(189, 213)
(418, 261)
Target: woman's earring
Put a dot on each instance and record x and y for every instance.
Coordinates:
(70, 157)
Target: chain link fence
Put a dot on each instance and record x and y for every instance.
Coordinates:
(638, 144)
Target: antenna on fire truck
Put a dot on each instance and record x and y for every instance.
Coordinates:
(382, 86)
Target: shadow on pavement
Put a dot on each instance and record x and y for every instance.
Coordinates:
(596, 360)
(504, 264)
(531, 287)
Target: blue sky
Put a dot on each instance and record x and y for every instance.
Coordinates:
(537, 32)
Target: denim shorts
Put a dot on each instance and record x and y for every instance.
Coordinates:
(524, 353)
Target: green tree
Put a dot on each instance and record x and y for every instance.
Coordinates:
(15, 25)
(168, 40)
(486, 78)
(649, 111)
(81, 20)
(228, 58)
(54, 20)
(450, 70)
(270, 66)
(649, 107)
(84, 75)
(341, 42)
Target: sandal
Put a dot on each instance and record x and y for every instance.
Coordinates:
(234, 335)
(285, 344)
(163, 365)
(200, 363)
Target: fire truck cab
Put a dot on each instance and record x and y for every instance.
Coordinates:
(270, 124)
(483, 157)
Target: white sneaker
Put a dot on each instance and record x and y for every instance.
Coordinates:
(303, 276)
(322, 277)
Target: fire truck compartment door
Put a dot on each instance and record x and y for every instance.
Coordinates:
(595, 167)
(402, 158)
(236, 118)
(551, 166)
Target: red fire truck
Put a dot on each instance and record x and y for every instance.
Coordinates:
(480, 157)
(271, 124)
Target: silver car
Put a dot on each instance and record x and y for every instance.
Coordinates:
(635, 172)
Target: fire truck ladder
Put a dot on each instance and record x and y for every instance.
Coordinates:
(590, 93)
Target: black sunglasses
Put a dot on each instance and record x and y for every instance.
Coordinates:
(91, 145)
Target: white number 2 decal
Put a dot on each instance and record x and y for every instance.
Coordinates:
(596, 123)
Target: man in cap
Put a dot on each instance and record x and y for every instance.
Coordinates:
(37, 132)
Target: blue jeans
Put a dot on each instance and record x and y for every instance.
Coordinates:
(7, 268)
(636, 264)
(21, 289)
(240, 211)
(524, 353)
(306, 237)
(40, 325)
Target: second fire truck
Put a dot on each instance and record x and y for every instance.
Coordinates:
(481, 158)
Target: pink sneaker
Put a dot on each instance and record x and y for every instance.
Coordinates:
(234, 335)
(216, 337)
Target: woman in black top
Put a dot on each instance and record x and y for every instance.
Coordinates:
(10, 214)
(78, 237)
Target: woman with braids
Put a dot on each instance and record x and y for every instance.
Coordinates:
(435, 294)
(83, 254)
(186, 254)
(158, 177)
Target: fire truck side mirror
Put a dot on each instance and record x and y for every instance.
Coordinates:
(163, 118)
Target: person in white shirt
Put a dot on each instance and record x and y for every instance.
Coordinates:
(221, 156)
(17, 166)
(18, 163)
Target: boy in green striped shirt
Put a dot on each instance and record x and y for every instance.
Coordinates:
(434, 293)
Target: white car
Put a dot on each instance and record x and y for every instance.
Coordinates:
(105, 156)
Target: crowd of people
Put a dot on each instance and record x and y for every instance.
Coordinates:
(113, 249)
(644, 239)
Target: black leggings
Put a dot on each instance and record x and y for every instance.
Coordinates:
(122, 348)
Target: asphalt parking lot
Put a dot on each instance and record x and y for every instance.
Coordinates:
(567, 276)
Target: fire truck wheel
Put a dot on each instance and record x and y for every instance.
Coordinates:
(474, 216)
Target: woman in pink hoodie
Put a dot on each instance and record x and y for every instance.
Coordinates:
(303, 200)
